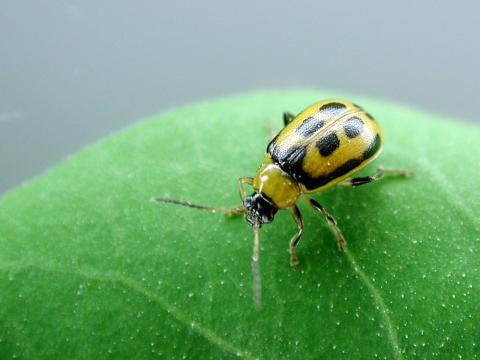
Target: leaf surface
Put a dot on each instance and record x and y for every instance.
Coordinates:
(91, 268)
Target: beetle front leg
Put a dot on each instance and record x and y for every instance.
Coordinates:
(241, 183)
(296, 238)
(240, 209)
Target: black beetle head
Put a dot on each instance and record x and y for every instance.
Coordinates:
(260, 210)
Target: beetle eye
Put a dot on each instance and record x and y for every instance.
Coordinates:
(247, 202)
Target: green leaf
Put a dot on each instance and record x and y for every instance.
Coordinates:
(91, 268)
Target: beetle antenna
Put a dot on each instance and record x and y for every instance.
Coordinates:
(235, 210)
(257, 281)
(187, 204)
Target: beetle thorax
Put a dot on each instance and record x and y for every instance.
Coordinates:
(276, 185)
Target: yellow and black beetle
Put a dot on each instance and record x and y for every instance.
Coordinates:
(320, 147)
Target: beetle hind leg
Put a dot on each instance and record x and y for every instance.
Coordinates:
(331, 222)
(381, 172)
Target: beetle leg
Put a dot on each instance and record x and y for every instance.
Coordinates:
(240, 209)
(287, 118)
(296, 238)
(378, 175)
(331, 222)
(241, 183)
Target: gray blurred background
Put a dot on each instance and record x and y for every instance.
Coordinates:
(74, 71)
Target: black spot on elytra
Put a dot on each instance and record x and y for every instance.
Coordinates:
(372, 148)
(290, 160)
(272, 144)
(328, 144)
(309, 126)
(353, 127)
(313, 183)
(287, 158)
(332, 109)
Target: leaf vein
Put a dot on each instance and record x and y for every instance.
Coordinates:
(392, 334)
(205, 332)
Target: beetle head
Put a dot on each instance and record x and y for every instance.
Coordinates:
(259, 209)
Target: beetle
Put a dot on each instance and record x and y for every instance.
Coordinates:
(318, 148)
